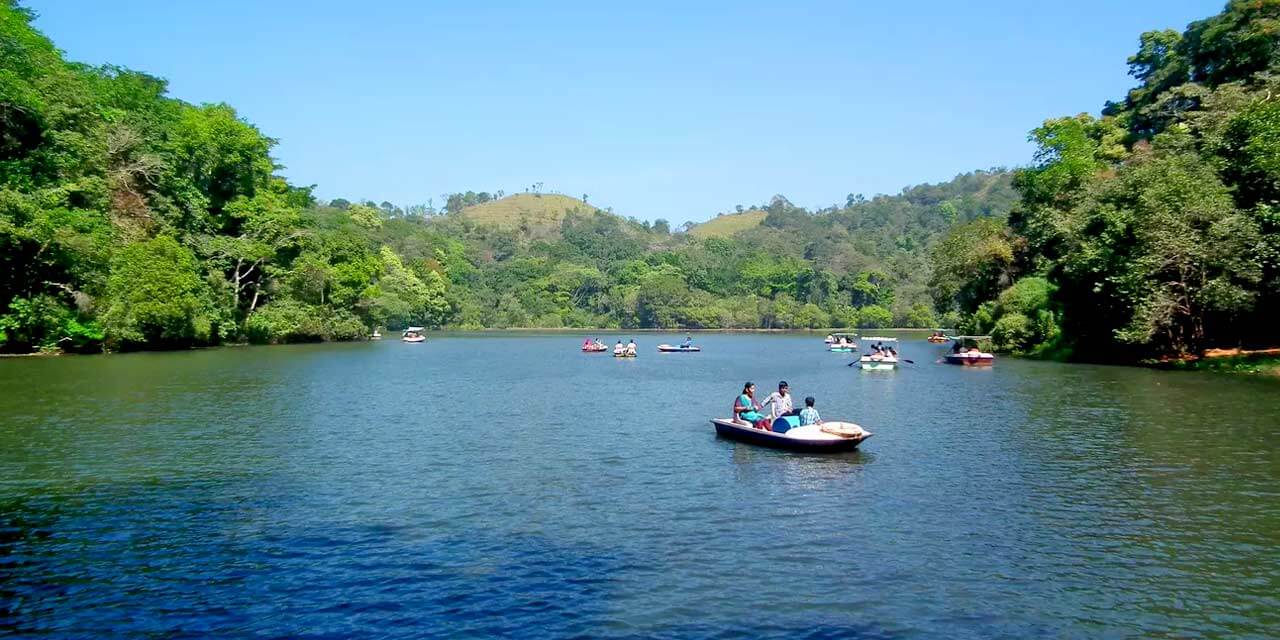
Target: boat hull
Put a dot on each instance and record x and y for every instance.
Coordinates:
(414, 340)
(841, 350)
(823, 443)
(595, 350)
(878, 365)
(965, 360)
(936, 340)
(669, 349)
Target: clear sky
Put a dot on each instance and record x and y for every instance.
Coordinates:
(674, 110)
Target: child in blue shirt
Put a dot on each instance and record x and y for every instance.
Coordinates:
(809, 415)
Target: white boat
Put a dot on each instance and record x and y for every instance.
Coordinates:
(375, 335)
(414, 335)
(842, 343)
(879, 361)
(828, 436)
(666, 348)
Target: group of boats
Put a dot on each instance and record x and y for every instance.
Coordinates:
(881, 354)
(629, 350)
(883, 351)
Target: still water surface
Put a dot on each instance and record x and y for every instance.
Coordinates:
(513, 486)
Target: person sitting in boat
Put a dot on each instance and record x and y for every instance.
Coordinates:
(780, 402)
(588, 344)
(618, 349)
(631, 348)
(809, 415)
(747, 411)
(688, 342)
(830, 339)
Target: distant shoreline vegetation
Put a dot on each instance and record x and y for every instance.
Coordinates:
(131, 221)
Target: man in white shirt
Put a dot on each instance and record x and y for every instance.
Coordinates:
(779, 402)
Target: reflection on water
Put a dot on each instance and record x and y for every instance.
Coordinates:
(510, 485)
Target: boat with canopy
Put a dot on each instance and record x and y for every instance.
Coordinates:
(843, 343)
(825, 437)
(884, 359)
(414, 335)
(965, 352)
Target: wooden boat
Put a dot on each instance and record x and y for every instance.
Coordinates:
(878, 361)
(969, 355)
(939, 336)
(413, 335)
(666, 348)
(807, 438)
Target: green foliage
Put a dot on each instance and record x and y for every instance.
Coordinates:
(288, 320)
(1150, 231)
(155, 295)
(874, 317)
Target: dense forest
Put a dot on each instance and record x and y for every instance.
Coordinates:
(1152, 230)
(130, 220)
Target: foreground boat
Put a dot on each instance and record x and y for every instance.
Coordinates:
(806, 438)
(666, 348)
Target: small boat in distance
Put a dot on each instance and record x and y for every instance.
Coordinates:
(879, 360)
(843, 343)
(596, 346)
(375, 335)
(678, 348)
(939, 336)
(826, 437)
(414, 335)
(965, 352)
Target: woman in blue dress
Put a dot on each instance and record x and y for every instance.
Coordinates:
(745, 408)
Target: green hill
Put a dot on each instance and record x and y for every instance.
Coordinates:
(526, 211)
(727, 225)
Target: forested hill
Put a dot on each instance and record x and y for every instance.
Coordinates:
(1152, 230)
(129, 219)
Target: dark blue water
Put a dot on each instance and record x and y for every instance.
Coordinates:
(513, 486)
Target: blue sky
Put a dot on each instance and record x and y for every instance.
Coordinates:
(663, 110)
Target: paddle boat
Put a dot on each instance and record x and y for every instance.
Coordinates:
(589, 346)
(966, 353)
(879, 361)
(414, 335)
(667, 348)
(939, 336)
(825, 437)
(844, 343)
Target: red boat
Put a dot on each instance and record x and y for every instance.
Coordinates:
(966, 353)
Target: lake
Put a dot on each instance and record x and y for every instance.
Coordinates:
(509, 485)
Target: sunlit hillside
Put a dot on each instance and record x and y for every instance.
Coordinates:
(529, 211)
(729, 224)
